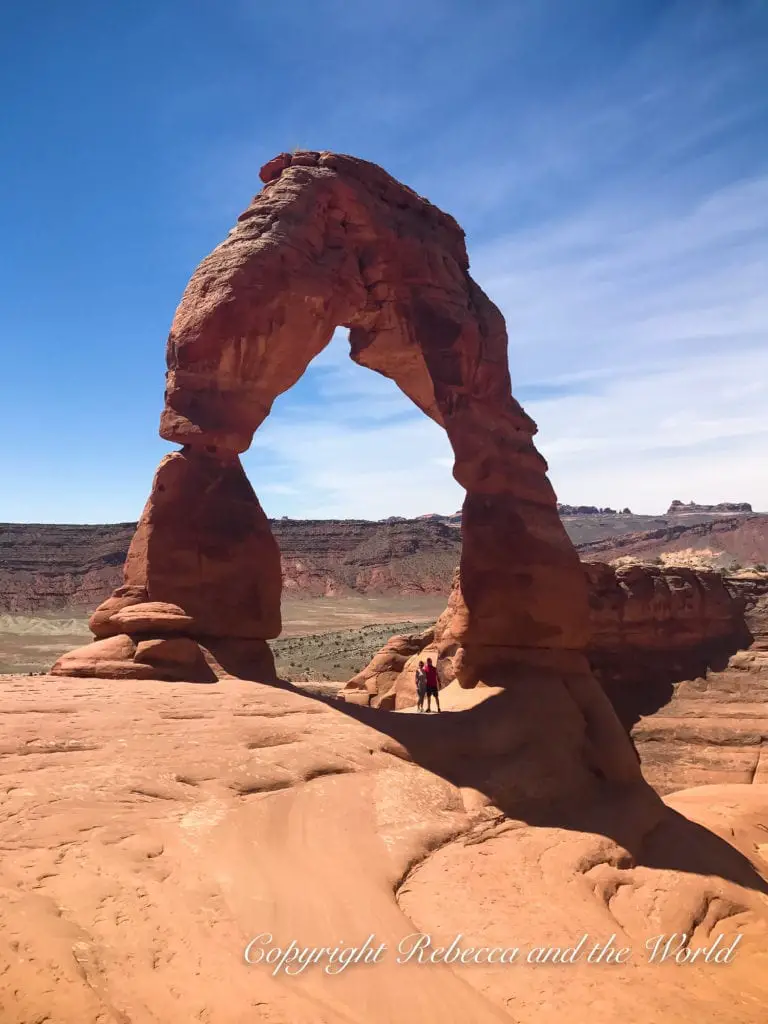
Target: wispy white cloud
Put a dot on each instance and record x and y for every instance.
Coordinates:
(693, 429)
(612, 178)
(350, 445)
(613, 285)
(638, 344)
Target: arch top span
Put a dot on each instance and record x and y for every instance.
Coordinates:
(329, 241)
(335, 241)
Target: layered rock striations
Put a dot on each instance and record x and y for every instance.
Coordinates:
(650, 621)
(48, 567)
(330, 558)
(55, 567)
(718, 541)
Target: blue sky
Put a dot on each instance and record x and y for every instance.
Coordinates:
(608, 160)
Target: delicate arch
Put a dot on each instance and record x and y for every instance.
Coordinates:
(335, 241)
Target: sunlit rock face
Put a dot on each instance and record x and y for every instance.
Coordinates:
(332, 240)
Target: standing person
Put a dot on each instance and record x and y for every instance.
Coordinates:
(421, 684)
(433, 684)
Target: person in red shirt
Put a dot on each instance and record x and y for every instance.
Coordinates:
(433, 684)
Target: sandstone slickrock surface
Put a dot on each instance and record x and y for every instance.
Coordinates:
(150, 832)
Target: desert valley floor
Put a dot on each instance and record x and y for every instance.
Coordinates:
(322, 638)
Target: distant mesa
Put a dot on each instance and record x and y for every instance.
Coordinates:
(454, 519)
(590, 510)
(729, 507)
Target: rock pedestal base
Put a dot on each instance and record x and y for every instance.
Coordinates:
(172, 659)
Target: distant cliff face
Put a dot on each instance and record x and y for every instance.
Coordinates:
(62, 567)
(329, 557)
(719, 541)
(590, 510)
(724, 507)
(56, 567)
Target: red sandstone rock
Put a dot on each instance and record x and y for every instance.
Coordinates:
(100, 622)
(204, 544)
(649, 625)
(334, 240)
(750, 590)
(203, 560)
(385, 667)
(150, 829)
(110, 658)
(156, 617)
(240, 658)
(175, 658)
(202, 564)
(171, 659)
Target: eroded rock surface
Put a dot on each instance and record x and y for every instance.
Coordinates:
(682, 654)
(151, 831)
(332, 240)
(654, 626)
(203, 568)
(649, 627)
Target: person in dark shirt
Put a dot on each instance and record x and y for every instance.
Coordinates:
(433, 684)
(421, 685)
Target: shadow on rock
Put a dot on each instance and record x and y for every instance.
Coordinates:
(548, 751)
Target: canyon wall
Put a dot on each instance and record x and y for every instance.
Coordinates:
(720, 541)
(54, 567)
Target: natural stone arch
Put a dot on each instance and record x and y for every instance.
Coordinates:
(335, 241)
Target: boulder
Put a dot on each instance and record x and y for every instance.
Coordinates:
(151, 617)
(101, 623)
(177, 658)
(110, 658)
